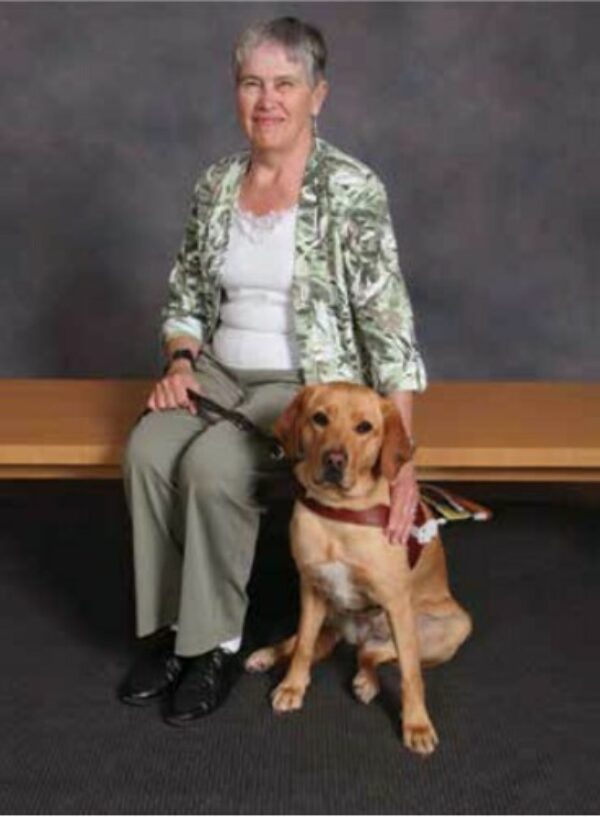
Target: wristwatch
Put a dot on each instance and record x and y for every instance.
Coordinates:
(185, 354)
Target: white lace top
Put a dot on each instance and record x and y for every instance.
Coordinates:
(256, 329)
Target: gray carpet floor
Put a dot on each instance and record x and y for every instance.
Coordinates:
(518, 710)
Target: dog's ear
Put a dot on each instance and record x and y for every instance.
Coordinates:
(397, 448)
(288, 426)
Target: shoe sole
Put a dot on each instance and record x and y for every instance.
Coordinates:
(187, 720)
(141, 702)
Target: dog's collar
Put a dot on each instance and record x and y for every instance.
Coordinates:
(377, 516)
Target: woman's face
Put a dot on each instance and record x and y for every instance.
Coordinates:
(275, 101)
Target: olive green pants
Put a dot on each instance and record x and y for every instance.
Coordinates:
(190, 485)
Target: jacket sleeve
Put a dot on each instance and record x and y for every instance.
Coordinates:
(189, 303)
(379, 298)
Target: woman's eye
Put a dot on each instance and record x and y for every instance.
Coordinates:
(364, 427)
(320, 419)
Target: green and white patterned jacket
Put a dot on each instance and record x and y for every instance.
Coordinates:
(353, 317)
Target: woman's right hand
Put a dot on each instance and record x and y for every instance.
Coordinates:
(171, 391)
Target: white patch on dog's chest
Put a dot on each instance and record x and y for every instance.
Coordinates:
(335, 581)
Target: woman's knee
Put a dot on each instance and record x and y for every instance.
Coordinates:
(144, 449)
(214, 464)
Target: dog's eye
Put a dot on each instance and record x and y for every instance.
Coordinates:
(320, 419)
(364, 427)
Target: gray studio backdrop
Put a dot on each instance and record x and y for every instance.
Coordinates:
(482, 119)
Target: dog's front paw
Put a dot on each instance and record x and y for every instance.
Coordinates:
(260, 660)
(365, 686)
(420, 737)
(287, 698)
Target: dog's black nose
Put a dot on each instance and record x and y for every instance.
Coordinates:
(334, 463)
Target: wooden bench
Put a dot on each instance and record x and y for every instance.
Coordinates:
(466, 431)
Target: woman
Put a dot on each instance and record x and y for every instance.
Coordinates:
(288, 274)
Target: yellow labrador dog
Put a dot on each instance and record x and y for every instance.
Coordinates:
(347, 444)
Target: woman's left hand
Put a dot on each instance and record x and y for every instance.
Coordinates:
(404, 501)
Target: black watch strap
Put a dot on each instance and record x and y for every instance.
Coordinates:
(183, 354)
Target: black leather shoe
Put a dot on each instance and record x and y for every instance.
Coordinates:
(154, 671)
(206, 681)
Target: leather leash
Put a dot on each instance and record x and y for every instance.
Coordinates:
(239, 420)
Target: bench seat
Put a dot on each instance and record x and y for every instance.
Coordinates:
(466, 430)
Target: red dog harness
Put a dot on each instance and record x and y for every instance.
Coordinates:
(445, 506)
(422, 531)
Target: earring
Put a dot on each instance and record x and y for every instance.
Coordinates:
(315, 130)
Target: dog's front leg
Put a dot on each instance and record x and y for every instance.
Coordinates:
(417, 730)
(289, 695)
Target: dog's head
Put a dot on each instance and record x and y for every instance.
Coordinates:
(342, 436)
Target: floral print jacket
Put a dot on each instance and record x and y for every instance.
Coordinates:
(353, 317)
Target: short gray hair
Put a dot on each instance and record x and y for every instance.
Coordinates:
(301, 41)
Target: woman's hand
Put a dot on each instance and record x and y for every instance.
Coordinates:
(404, 501)
(171, 391)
